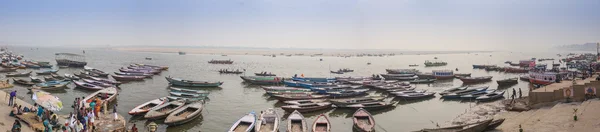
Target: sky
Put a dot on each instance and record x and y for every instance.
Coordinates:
(318, 24)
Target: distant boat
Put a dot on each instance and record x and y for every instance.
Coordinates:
(181, 53)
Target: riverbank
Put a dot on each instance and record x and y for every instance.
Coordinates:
(7, 121)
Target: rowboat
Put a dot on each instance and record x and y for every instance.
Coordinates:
(148, 71)
(348, 93)
(158, 67)
(189, 83)
(408, 91)
(116, 83)
(494, 124)
(185, 114)
(51, 85)
(87, 86)
(46, 72)
(524, 78)
(268, 121)
(321, 124)
(145, 107)
(271, 93)
(286, 97)
(98, 83)
(423, 81)
(310, 101)
(187, 99)
(337, 72)
(164, 110)
(413, 96)
(429, 63)
(188, 95)
(5, 70)
(443, 74)
(344, 102)
(46, 100)
(491, 96)
(371, 105)
(262, 80)
(71, 77)
(50, 78)
(401, 71)
(475, 79)
(339, 88)
(474, 127)
(95, 71)
(363, 121)
(23, 82)
(133, 74)
(244, 124)
(389, 77)
(128, 78)
(425, 75)
(401, 89)
(24, 74)
(183, 90)
(35, 79)
(460, 93)
(296, 123)
(277, 88)
(220, 62)
(462, 74)
(475, 94)
(105, 95)
(307, 107)
(264, 74)
(506, 82)
(452, 90)
(58, 77)
(230, 72)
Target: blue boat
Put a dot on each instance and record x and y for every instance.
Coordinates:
(291, 83)
(475, 94)
(313, 79)
(457, 94)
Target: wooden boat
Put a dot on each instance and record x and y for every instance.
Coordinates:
(128, 78)
(459, 93)
(413, 96)
(413, 65)
(307, 107)
(443, 74)
(344, 102)
(23, 82)
(187, 99)
(347, 93)
(429, 63)
(116, 83)
(402, 71)
(230, 71)
(321, 124)
(51, 85)
(458, 75)
(452, 90)
(134, 74)
(476, 79)
(482, 66)
(363, 121)
(475, 94)
(145, 107)
(95, 71)
(262, 80)
(296, 123)
(401, 89)
(491, 96)
(336, 72)
(58, 77)
(185, 114)
(278, 88)
(5, 70)
(494, 124)
(35, 79)
(264, 74)
(271, 93)
(189, 83)
(46, 100)
(524, 78)
(46, 72)
(286, 97)
(310, 101)
(164, 110)
(71, 77)
(98, 83)
(474, 127)
(509, 81)
(371, 105)
(147, 71)
(81, 84)
(50, 78)
(391, 77)
(188, 95)
(425, 75)
(153, 66)
(24, 74)
(515, 70)
(105, 95)
(244, 124)
(423, 81)
(268, 121)
(220, 62)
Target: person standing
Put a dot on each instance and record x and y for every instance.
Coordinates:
(514, 93)
(520, 93)
(13, 94)
(115, 112)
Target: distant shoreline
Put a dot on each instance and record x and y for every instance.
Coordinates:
(264, 51)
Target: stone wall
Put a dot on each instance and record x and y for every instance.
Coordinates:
(557, 95)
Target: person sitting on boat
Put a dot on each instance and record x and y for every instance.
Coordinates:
(19, 110)
(13, 111)
(16, 126)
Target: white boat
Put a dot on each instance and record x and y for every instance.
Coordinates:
(268, 121)
(145, 107)
(244, 124)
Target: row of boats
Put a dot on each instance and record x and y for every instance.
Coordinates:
(269, 121)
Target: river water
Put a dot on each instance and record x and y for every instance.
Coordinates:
(235, 99)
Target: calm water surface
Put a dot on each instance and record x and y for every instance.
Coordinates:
(234, 99)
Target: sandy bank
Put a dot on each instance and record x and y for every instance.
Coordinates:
(6, 121)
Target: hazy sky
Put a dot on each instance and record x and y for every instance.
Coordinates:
(351, 24)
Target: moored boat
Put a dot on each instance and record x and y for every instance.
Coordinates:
(51, 85)
(190, 83)
(220, 62)
(310, 101)
(476, 79)
(363, 121)
(87, 86)
(46, 72)
(24, 74)
(185, 114)
(429, 63)
(458, 93)
(286, 97)
(133, 74)
(278, 88)
(371, 105)
(116, 83)
(443, 74)
(268, 121)
(105, 95)
(264, 74)
(5, 70)
(321, 124)
(351, 101)
(98, 83)
(296, 123)
(164, 110)
(423, 81)
(95, 71)
(509, 81)
(71, 77)
(545, 78)
(262, 80)
(128, 78)
(491, 96)
(22, 82)
(145, 107)
(307, 107)
(244, 124)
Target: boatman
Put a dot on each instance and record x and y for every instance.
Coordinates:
(520, 93)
